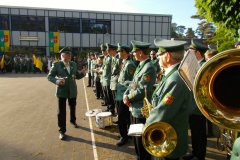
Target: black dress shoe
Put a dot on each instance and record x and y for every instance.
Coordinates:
(88, 86)
(129, 137)
(115, 122)
(106, 110)
(121, 142)
(113, 112)
(74, 125)
(62, 136)
(104, 104)
(188, 156)
(97, 97)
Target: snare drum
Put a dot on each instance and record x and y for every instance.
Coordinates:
(103, 119)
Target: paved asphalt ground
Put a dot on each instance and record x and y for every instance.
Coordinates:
(28, 124)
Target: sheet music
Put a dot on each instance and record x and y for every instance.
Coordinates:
(188, 69)
(136, 129)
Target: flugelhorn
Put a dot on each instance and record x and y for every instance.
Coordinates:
(147, 106)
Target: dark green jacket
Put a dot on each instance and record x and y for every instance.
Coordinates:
(58, 69)
(171, 104)
(89, 65)
(155, 62)
(193, 107)
(115, 69)
(106, 71)
(145, 74)
(93, 63)
(126, 74)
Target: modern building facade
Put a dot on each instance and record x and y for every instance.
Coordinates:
(79, 29)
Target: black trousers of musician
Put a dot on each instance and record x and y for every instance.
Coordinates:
(93, 82)
(105, 96)
(62, 112)
(89, 79)
(115, 103)
(209, 127)
(142, 154)
(98, 88)
(198, 134)
(111, 105)
(123, 118)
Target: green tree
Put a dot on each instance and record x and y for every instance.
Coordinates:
(222, 13)
(174, 30)
(224, 39)
(180, 31)
(190, 33)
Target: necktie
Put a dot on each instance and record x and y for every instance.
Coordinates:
(67, 65)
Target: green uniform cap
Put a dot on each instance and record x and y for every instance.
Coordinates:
(65, 50)
(103, 47)
(198, 46)
(91, 54)
(101, 56)
(140, 45)
(96, 54)
(169, 45)
(111, 46)
(124, 47)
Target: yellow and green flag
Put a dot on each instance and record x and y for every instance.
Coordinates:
(39, 64)
(4, 40)
(34, 60)
(2, 62)
(53, 42)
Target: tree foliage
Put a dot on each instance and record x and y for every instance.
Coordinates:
(222, 13)
(190, 33)
(178, 31)
(224, 39)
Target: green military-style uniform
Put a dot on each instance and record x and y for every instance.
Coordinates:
(89, 70)
(171, 99)
(45, 64)
(126, 74)
(16, 64)
(144, 75)
(69, 72)
(197, 121)
(156, 64)
(106, 70)
(236, 150)
(93, 63)
(115, 69)
(28, 64)
(58, 69)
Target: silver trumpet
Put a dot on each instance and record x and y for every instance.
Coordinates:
(61, 78)
(130, 84)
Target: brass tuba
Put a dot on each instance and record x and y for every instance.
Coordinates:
(159, 138)
(217, 93)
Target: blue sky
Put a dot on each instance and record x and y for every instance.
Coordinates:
(181, 10)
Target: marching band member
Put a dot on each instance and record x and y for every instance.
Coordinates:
(145, 74)
(171, 99)
(126, 74)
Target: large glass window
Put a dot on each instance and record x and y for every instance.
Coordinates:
(68, 25)
(96, 26)
(4, 22)
(28, 23)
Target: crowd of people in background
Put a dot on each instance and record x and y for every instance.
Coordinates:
(25, 64)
